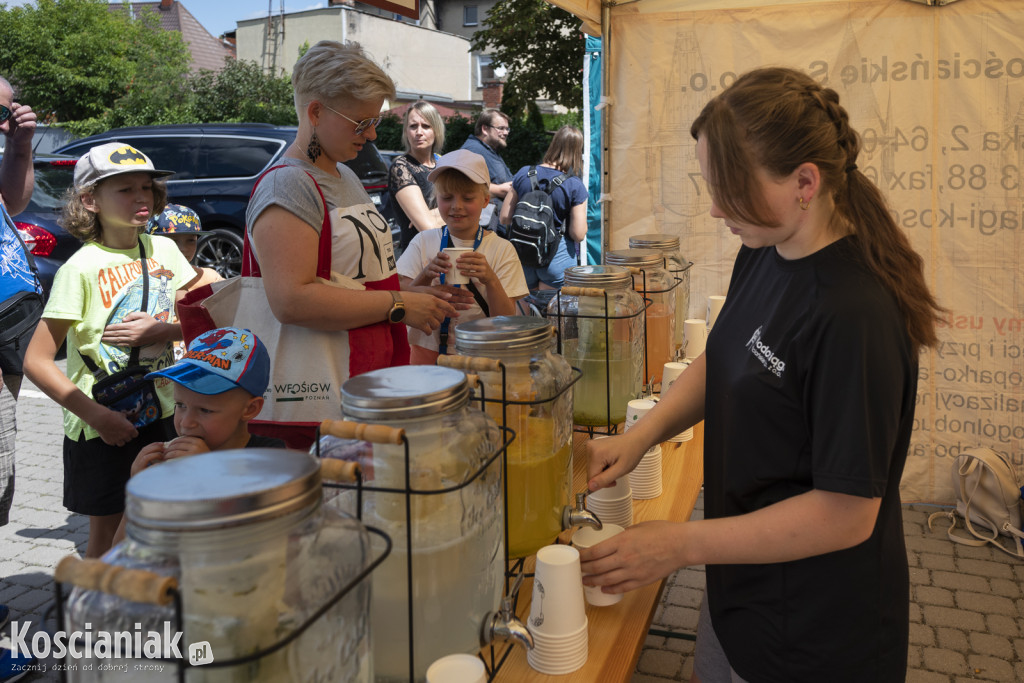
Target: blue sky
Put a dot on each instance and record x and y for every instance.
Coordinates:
(219, 16)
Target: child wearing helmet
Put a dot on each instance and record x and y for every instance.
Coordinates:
(182, 225)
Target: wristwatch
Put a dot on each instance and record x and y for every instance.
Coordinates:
(397, 312)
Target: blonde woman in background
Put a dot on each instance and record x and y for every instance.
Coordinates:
(415, 204)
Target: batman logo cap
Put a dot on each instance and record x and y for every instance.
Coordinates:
(110, 159)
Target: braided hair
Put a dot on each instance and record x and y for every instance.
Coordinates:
(777, 119)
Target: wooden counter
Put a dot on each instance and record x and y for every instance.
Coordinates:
(617, 632)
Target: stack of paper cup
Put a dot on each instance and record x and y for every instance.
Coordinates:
(613, 504)
(669, 375)
(695, 331)
(636, 409)
(645, 479)
(558, 618)
(457, 669)
(586, 538)
(715, 303)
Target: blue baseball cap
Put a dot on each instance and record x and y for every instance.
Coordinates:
(220, 360)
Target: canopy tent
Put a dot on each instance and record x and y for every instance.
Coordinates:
(937, 93)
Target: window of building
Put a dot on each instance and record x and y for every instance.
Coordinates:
(484, 70)
(469, 16)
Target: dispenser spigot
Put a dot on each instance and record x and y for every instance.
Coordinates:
(503, 624)
(580, 516)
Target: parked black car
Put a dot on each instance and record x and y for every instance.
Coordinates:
(49, 244)
(217, 166)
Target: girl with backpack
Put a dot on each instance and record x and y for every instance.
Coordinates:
(564, 157)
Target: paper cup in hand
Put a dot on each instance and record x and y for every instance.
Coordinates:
(695, 332)
(459, 668)
(454, 277)
(558, 607)
(588, 538)
(636, 409)
(715, 303)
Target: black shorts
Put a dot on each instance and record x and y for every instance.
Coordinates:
(95, 474)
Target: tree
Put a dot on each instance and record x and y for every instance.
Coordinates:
(75, 60)
(541, 48)
(241, 92)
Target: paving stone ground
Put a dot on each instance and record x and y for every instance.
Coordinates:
(966, 613)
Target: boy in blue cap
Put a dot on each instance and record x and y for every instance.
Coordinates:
(218, 389)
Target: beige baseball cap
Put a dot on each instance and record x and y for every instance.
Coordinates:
(110, 159)
(470, 164)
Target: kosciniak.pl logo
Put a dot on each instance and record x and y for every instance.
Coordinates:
(99, 644)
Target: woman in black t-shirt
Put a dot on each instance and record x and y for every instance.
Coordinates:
(807, 389)
(415, 205)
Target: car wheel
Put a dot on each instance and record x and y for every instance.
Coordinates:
(220, 249)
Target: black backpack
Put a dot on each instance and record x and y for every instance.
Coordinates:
(533, 230)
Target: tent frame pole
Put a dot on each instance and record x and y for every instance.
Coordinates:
(605, 126)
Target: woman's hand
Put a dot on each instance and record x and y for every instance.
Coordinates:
(136, 329)
(113, 427)
(426, 311)
(641, 554)
(610, 458)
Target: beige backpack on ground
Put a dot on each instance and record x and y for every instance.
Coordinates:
(988, 501)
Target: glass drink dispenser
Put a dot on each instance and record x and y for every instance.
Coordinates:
(677, 266)
(601, 332)
(530, 391)
(255, 554)
(652, 281)
(437, 492)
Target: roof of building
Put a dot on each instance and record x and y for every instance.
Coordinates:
(208, 52)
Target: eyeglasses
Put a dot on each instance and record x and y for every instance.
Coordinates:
(361, 126)
(500, 129)
(5, 113)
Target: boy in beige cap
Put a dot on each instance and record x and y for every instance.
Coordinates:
(495, 275)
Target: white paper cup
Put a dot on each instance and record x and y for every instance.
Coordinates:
(715, 303)
(459, 668)
(670, 373)
(454, 277)
(610, 493)
(636, 409)
(588, 538)
(695, 331)
(558, 605)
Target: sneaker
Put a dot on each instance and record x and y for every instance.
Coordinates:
(5, 615)
(13, 668)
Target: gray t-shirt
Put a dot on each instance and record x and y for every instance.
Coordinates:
(361, 238)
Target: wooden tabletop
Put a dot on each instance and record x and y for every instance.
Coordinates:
(616, 633)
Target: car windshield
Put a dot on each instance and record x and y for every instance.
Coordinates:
(53, 178)
(368, 163)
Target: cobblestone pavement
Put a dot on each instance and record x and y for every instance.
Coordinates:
(965, 619)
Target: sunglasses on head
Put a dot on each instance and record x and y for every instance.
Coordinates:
(5, 113)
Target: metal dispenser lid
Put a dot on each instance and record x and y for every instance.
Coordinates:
(614, 277)
(654, 241)
(222, 489)
(638, 258)
(403, 392)
(503, 333)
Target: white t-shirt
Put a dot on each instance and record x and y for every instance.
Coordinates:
(501, 257)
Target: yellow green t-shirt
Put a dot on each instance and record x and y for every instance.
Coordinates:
(99, 286)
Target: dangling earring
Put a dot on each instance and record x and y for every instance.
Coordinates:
(313, 149)
(804, 204)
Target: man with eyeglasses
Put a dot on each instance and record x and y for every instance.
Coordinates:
(487, 140)
(18, 124)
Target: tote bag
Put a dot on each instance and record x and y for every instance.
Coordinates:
(307, 367)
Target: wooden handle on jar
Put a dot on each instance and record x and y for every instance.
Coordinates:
(469, 363)
(137, 585)
(582, 291)
(341, 471)
(343, 429)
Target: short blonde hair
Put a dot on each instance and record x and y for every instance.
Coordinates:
(454, 181)
(433, 117)
(84, 225)
(332, 71)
